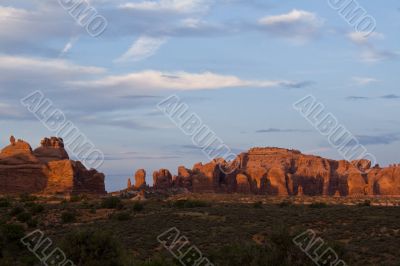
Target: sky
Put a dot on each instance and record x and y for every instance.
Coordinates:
(239, 65)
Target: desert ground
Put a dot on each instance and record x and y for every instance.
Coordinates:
(230, 229)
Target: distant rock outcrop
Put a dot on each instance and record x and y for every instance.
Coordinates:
(162, 179)
(283, 172)
(140, 179)
(46, 170)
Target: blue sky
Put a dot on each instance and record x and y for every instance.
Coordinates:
(240, 65)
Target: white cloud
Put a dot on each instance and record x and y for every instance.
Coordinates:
(372, 55)
(178, 6)
(20, 74)
(363, 37)
(142, 48)
(297, 24)
(156, 80)
(363, 81)
(50, 66)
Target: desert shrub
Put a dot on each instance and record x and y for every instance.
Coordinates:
(157, 261)
(75, 198)
(78, 198)
(191, 204)
(366, 203)
(24, 217)
(318, 205)
(278, 250)
(32, 223)
(12, 232)
(93, 248)
(285, 203)
(5, 203)
(111, 203)
(16, 210)
(25, 197)
(36, 208)
(258, 204)
(122, 216)
(68, 217)
(138, 207)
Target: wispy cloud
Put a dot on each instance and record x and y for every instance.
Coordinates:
(356, 98)
(360, 37)
(178, 6)
(181, 80)
(298, 25)
(369, 51)
(383, 97)
(142, 48)
(282, 130)
(363, 81)
(390, 96)
(384, 139)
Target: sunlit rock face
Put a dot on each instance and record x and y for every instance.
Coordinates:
(283, 172)
(46, 170)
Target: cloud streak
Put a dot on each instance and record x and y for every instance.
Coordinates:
(299, 25)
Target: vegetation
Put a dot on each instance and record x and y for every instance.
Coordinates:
(234, 230)
(68, 217)
(187, 203)
(111, 203)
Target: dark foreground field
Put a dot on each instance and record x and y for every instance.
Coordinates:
(227, 229)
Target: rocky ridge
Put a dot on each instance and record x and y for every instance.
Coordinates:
(45, 170)
(283, 172)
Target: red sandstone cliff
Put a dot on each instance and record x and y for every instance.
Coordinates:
(45, 170)
(275, 171)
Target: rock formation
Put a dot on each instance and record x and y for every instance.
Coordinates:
(129, 185)
(51, 149)
(275, 171)
(140, 179)
(162, 179)
(46, 170)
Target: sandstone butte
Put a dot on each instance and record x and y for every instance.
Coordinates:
(282, 172)
(265, 171)
(45, 170)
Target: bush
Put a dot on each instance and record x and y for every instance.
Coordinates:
(32, 223)
(191, 204)
(24, 217)
(111, 203)
(12, 232)
(77, 198)
(16, 210)
(122, 216)
(285, 203)
(36, 208)
(258, 204)
(318, 205)
(68, 217)
(157, 261)
(5, 202)
(366, 203)
(137, 207)
(278, 250)
(25, 197)
(93, 248)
